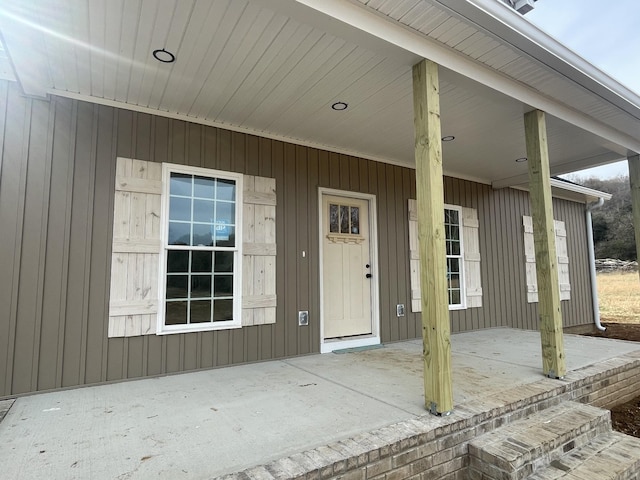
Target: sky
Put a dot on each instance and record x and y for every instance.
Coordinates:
(603, 33)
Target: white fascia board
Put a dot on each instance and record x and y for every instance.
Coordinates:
(564, 190)
(410, 40)
(589, 193)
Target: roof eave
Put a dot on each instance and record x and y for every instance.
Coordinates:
(510, 26)
(410, 40)
(587, 195)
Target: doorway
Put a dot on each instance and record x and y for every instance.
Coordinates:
(348, 260)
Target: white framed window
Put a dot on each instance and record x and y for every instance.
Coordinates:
(200, 282)
(462, 245)
(455, 256)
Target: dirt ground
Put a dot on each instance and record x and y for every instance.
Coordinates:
(620, 331)
(626, 417)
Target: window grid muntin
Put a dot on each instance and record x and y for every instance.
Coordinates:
(344, 219)
(227, 188)
(454, 255)
(190, 273)
(215, 221)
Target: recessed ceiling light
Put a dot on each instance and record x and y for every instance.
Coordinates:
(448, 138)
(164, 56)
(521, 159)
(339, 106)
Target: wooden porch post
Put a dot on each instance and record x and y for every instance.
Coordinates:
(634, 180)
(553, 359)
(436, 332)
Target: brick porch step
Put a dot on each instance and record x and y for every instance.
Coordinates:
(517, 450)
(610, 456)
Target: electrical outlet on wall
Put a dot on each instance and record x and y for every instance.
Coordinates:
(303, 318)
(400, 310)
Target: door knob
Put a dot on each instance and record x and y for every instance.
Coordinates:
(368, 275)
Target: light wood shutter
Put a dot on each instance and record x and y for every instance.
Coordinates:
(133, 303)
(414, 257)
(471, 246)
(530, 260)
(259, 251)
(563, 260)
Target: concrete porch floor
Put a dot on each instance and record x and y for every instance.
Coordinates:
(209, 423)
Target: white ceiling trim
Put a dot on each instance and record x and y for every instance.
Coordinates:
(376, 24)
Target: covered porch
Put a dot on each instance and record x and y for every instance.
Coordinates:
(312, 95)
(211, 423)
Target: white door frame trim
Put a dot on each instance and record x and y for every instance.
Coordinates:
(374, 337)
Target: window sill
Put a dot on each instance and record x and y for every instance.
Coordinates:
(457, 307)
(197, 328)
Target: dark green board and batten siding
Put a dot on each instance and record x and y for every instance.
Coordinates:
(57, 176)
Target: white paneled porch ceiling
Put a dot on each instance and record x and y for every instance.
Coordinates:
(275, 67)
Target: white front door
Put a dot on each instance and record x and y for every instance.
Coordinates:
(347, 269)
